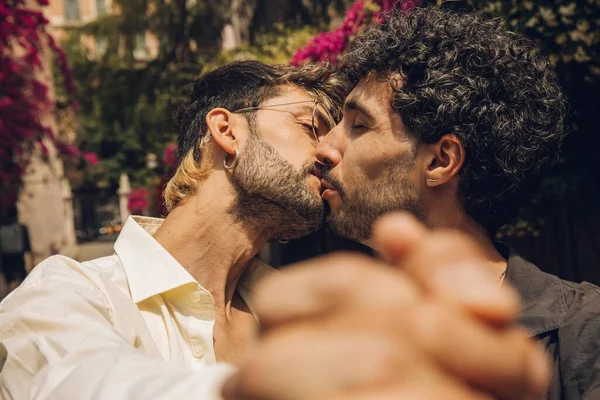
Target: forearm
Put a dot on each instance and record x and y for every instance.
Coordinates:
(112, 376)
(60, 340)
(110, 373)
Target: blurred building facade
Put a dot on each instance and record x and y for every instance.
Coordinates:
(67, 15)
(45, 200)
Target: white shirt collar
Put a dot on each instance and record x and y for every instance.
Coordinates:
(152, 270)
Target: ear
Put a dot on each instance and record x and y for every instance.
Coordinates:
(447, 158)
(221, 126)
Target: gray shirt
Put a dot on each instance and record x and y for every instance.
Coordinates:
(564, 317)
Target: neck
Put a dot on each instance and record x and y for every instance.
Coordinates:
(458, 219)
(212, 245)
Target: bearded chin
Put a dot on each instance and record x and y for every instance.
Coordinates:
(273, 195)
(361, 209)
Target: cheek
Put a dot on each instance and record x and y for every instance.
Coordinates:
(364, 160)
(296, 151)
(286, 139)
(373, 161)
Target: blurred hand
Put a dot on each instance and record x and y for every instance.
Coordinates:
(435, 326)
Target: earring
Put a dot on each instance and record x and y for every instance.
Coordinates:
(235, 161)
(204, 141)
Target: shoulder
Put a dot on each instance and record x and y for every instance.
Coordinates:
(579, 334)
(582, 315)
(60, 268)
(58, 277)
(56, 289)
(582, 302)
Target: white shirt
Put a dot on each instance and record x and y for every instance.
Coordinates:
(134, 325)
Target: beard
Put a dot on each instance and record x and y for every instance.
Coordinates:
(392, 191)
(273, 195)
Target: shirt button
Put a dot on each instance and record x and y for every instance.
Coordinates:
(197, 351)
(195, 296)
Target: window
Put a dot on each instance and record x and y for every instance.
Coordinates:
(100, 7)
(72, 10)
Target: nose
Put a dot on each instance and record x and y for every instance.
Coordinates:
(328, 151)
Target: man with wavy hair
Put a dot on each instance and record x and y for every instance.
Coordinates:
(173, 299)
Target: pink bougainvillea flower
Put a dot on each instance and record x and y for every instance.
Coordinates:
(91, 158)
(5, 102)
(73, 150)
(24, 95)
(330, 45)
(138, 200)
(44, 149)
(39, 89)
(169, 157)
(67, 150)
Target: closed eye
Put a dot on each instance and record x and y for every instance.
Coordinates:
(308, 129)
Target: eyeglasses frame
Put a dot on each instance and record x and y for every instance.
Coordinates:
(266, 107)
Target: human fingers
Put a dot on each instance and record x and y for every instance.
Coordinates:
(446, 264)
(503, 362)
(396, 234)
(384, 302)
(308, 363)
(304, 363)
(436, 385)
(325, 285)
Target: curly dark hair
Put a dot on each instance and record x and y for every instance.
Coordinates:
(468, 75)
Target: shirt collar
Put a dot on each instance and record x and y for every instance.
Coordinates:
(150, 269)
(541, 293)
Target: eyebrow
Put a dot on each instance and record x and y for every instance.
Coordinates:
(355, 105)
(299, 108)
(306, 108)
(320, 115)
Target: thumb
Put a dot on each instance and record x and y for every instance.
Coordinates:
(396, 235)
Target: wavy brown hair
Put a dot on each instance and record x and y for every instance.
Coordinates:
(234, 86)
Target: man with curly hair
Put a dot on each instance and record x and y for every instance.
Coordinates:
(455, 120)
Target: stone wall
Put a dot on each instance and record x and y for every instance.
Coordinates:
(45, 203)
